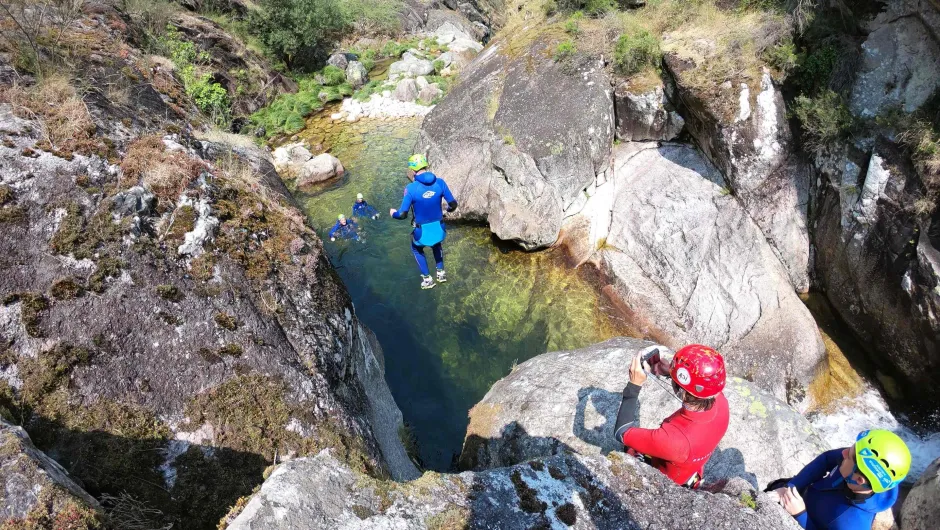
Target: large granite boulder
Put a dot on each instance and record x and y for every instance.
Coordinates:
(921, 510)
(643, 113)
(569, 400)
(900, 59)
(689, 264)
(742, 129)
(876, 261)
(319, 169)
(36, 488)
(520, 137)
(566, 491)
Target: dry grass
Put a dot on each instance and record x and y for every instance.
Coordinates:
(164, 173)
(65, 122)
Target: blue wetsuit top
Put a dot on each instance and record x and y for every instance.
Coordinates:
(363, 209)
(829, 503)
(349, 231)
(424, 196)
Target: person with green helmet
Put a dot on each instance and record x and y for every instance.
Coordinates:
(844, 489)
(344, 229)
(424, 196)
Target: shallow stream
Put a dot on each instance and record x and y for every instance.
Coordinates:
(445, 347)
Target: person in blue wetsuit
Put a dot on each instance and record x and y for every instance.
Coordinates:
(344, 229)
(424, 196)
(844, 489)
(362, 209)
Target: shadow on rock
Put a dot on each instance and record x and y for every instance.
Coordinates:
(595, 417)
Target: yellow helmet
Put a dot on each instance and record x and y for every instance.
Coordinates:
(417, 162)
(883, 458)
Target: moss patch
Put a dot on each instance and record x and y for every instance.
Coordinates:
(105, 269)
(169, 292)
(55, 509)
(226, 321)
(231, 350)
(66, 289)
(453, 518)
(567, 514)
(31, 310)
(528, 498)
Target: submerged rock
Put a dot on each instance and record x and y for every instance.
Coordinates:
(559, 492)
(689, 265)
(36, 488)
(568, 401)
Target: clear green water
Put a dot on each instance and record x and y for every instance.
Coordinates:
(445, 347)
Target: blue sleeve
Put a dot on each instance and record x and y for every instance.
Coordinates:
(356, 208)
(405, 206)
(816, 469)
(334, 229)
(804, 520)
(448, 196)
(370, 210)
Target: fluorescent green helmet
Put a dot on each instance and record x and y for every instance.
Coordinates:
(417, 162)
(883, 458)
(340, 217)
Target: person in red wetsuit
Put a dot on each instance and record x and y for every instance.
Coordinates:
(682, 445)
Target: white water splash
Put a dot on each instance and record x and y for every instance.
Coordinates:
(869, 411)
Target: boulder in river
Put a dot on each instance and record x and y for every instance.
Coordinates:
(520, 137)
(356, 74)
(921, 509)
(36, 488)
(563, 491)
(406, 91)
(564, 401)
(290, 158)
(410, 66)
(318, 169)
(690, 266)
(338, 60)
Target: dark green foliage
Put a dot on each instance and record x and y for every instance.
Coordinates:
(333, 76)
(294, 31)
(636, 51)
(815, 68)
(34, 305)
(105, 268)
(364, 93)
(565, 50)
(825, 118)
(589, 7)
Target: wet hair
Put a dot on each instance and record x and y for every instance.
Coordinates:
(694, 403)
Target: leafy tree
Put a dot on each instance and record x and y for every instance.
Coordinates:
(296, 31)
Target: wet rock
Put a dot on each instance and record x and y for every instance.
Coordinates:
(135, 201)
(356, 74)
(645, 114)
(338, 60)
(515, 155)
(430, 93)
(747, 137)
(875, 260)
(899, 65)
(690, 265)
(558, 492)
(36, 486)
(569, 400)
(318, 169)
(921, 510)
(406, 90)
(290, 158)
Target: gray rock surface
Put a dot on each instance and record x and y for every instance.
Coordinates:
(569, 491)
(876, 263)
(34, 484)
(289, 159)
(690, 265)
(410, 66)
(430, 93)
(515, 144)
(568, 400)
(406, 91)
(646, 115)
(318, 169)
(900, 63)
(744, 132)
(356, 74)
(921, 510)
(338, 60)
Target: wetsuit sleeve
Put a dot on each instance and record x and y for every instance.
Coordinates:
(816, 469)
(629, 413)
(666, 442)
(803, 519)
(406, 201)
(334, 229)
(449, 197)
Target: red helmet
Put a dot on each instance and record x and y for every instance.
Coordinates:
(699, 370)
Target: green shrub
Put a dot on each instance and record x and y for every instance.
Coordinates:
(634, 52)
(333, 76)
(572, 26)
(210, 97)
(364, 93)
(593, 8)
(565, 50)
(782, 58)
(293, 31)
(286, 114)
(814, 69)
(373, 16)
(825, 118)
(395, 49)
(438, 65)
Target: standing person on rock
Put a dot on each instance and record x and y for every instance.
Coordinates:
(844, 489)
(425, 196)
(684, 442)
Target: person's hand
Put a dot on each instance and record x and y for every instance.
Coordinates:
(637, 375)
(332, 239)
(392, 212)
(791, 500)
(376, 216)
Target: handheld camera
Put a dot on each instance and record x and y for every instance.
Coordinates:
(650, 359)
